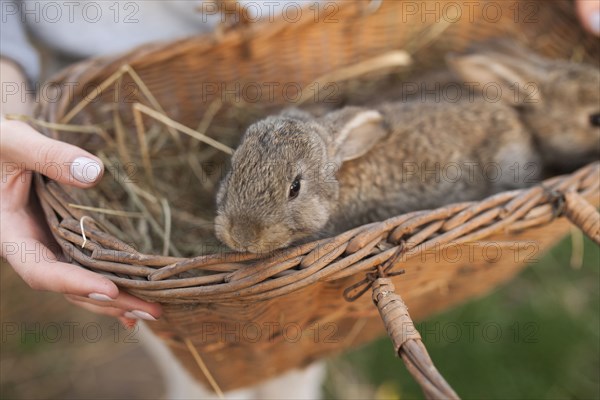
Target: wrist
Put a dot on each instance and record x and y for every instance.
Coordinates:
(15, 97)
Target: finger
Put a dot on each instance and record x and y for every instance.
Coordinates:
(110, 311)
(134, 307)
(589, 14)
(41, 270)
(63, 162)
(138, 308)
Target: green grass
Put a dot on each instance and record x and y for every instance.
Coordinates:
(549, 322)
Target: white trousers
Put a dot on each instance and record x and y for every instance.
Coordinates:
(297, 384)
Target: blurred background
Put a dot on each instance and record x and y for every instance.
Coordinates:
(536, 337)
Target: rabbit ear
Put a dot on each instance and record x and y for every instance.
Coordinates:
(517, 78)
(355, 133)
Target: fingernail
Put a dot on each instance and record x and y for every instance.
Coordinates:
(85, 170)
(594, 20)
(99, 297)
(139, 314)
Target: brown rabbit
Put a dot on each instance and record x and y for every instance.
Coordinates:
(558, 100)
(294, 176)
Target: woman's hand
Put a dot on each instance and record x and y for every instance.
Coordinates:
(25, 237)
(589, 15)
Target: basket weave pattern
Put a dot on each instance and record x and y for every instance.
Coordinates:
(301, 289)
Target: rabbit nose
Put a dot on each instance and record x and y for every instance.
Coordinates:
(246, 232)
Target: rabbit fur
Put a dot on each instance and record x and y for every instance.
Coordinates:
(362, 164)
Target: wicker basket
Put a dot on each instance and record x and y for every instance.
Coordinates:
(255, 318)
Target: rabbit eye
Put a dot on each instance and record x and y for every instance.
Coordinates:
(295, 188)
(595, 119)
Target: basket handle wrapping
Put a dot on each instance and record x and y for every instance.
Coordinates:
(407, 341)
(583, 215)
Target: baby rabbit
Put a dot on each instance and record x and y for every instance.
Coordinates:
(294, 176)
(558, 100)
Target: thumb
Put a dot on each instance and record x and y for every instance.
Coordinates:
(59, 161)
(589, 14)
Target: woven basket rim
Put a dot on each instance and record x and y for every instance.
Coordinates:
(262, 279)
(234, 35)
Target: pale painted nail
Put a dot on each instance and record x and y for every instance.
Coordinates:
(99, 297)
(85, 170)
(139, 314)
(594, 20)
(130, 315)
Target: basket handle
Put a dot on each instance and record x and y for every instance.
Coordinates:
(583, 215)
(407, 341)
(401, 329)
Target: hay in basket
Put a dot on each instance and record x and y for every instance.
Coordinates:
(165, 117)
